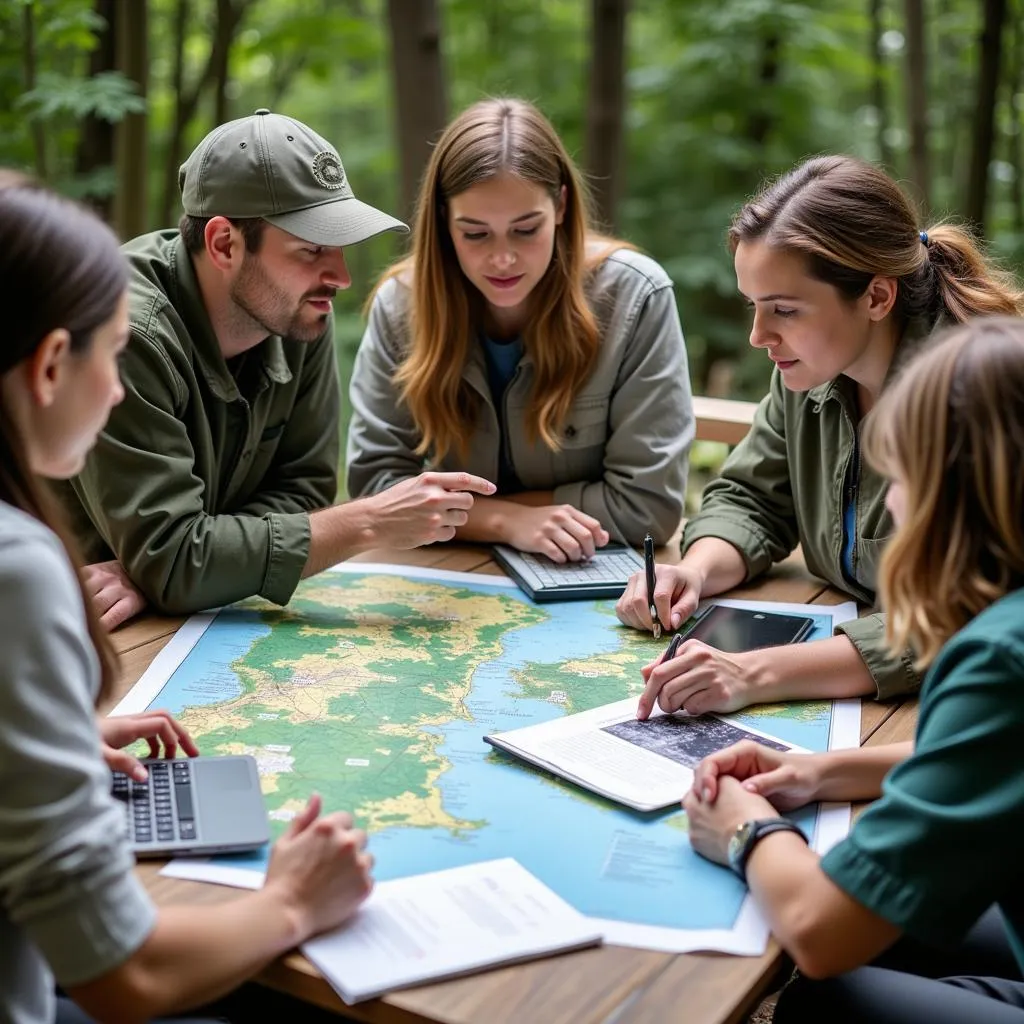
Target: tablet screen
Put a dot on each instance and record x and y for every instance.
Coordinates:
(742, 629)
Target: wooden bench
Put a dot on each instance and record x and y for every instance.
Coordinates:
(722, 419)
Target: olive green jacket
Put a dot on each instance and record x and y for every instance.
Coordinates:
(202, 482)
(783, 485)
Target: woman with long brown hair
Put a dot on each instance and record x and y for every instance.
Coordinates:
(844, 286)
(518, 344)
(71, 907)
(935, 862)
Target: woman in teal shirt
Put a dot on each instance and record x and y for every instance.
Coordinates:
(941, 847)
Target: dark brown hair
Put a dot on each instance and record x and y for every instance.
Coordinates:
(850, 221)
(60, 267)
(193, 232)
(951, 429)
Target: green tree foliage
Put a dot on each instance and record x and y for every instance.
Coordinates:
(46, 93)
(720, 94)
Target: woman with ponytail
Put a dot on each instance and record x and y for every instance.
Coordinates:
(844, 285)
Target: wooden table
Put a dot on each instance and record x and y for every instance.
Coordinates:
(610, 983)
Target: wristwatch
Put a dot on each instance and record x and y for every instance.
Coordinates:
(747, 835)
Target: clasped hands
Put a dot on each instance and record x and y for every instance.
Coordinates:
(741, 783)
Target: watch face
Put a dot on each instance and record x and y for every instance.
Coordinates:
(738, 843)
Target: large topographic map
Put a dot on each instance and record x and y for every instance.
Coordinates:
(375, 687)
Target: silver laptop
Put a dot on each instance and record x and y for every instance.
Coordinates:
(194, 805)
(604, 575)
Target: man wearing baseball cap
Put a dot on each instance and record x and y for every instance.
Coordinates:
(214, 479)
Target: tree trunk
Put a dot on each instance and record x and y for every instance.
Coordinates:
(879, 96)
(229, 17)
(131, 142)
(1014, 136)
(976, 202)
(761, 120)
(96, 142)
(418, 76)
(917, 102)
(29, 62)
(605, 107)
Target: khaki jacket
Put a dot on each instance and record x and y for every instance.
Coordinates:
(624, 446)
(202, 482)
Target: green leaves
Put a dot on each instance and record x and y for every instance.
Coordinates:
(108, 96)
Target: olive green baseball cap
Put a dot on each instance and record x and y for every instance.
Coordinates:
(271, 166)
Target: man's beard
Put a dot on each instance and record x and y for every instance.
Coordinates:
(258, 298)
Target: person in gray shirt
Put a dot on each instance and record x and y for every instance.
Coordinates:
(72, 911)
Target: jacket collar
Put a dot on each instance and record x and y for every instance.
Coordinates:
(188, 301)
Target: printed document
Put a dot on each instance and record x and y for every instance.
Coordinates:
(447, 923)
(644, 765)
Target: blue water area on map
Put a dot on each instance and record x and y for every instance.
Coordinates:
(206, 676)
(606, 860)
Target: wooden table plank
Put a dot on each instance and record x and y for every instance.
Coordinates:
(898, 727)
(578, 988)
(141, 630)
(711, 988)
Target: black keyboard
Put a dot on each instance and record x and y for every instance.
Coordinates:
(161, 809)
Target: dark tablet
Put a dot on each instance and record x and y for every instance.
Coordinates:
(741, 629)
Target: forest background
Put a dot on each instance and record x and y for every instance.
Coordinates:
(676, 110)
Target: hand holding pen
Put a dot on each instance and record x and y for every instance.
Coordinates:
(649, 696)
(651, 584)
(659, 598)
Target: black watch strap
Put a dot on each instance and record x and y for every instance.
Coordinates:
(755, 831)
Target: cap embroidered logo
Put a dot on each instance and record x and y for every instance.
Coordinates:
(328, 171)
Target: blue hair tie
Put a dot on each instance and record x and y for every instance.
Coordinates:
(923, 235)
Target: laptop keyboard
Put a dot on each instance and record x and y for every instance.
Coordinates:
(613, 567)
(161, 809)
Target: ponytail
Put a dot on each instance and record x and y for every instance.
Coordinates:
(967, 282)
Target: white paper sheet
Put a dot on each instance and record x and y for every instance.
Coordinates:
(444, 924)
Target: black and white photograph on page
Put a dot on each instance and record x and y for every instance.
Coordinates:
(687, 740)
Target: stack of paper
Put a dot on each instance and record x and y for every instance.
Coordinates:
(447, 923)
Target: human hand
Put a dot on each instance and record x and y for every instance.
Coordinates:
(697, 680)
(676, 593)
(425, 508)
(785, 779)
(112, 593)
(562, 532)
(713, 823)
(320, 869)
(159, 729)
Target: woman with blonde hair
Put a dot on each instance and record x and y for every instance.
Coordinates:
(844, 286)
(517, 344)
(935, 860)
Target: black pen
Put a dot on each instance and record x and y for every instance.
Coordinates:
(651, 582)
(672, 649)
